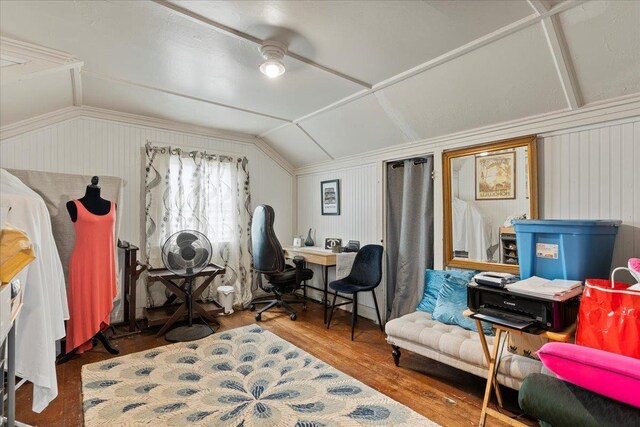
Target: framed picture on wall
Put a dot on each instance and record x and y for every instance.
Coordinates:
(495, 176)
(330, 194)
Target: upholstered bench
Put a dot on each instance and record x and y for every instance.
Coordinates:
(455, 346)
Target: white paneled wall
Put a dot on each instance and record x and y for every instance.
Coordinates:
(358, 194)
(360, 218)
(594, 173)
(591, 172)
(99, 147)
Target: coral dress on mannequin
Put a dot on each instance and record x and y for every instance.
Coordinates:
(92, 277)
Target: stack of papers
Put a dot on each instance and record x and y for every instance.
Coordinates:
(540, 287)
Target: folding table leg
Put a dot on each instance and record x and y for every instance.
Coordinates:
(491, 376)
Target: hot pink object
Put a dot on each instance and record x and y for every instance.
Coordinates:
(634, 266)
(608, 374)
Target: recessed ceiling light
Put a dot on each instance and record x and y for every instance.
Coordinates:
(273, 53)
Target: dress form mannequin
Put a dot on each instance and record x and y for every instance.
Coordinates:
(96, 205)
(91, 200)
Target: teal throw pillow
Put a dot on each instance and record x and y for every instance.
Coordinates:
(433, 282)
(452, 302)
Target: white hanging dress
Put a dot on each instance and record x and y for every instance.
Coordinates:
(41, 321)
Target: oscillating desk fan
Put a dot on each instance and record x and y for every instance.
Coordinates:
(187, 253)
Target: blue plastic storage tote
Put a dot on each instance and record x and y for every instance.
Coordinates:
(565, 249)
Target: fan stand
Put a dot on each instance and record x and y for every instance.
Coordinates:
(191, 332)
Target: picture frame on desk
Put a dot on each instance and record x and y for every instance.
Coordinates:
(330, 242)
(330, 197)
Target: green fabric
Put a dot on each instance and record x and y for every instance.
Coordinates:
(561, 404)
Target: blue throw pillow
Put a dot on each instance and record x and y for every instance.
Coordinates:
(433, 282)
(452, 302)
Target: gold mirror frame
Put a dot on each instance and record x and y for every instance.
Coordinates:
(447, 156)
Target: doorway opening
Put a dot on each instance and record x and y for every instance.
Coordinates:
(409, 232)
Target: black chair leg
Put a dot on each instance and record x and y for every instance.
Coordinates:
(287, 306)
(272, 303)
(375, 302)
(354, 314)
(333, 305)
(395, 351)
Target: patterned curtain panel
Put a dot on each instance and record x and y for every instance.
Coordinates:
(193, 190)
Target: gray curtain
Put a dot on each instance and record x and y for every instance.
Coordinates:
(409, 233)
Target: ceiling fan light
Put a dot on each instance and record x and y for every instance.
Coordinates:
(272, 68)
(273, 53)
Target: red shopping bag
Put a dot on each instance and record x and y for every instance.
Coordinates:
(609, 317)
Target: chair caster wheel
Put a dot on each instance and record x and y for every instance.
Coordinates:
(258, 317)
(293, 316)
(304, 306)
(252, 307)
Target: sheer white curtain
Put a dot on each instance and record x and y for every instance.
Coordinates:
(194, 190)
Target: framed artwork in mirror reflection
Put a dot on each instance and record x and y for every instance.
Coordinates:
(495, 176)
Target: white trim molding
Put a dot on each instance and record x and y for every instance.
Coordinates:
(37, 122)
(274, 155)
(76, 86)
(312, 139)
(30, 51)
(181, 95)
(476, 44)
(232, 32)
(559, 53)
(35, 60)
(68, 113)
(615, 109)
(562, 61)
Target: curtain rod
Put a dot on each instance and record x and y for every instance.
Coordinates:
(416, 161)
(190, 153)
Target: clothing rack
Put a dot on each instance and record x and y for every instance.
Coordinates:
(8, 343)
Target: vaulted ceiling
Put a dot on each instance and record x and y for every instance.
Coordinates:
(360, 75)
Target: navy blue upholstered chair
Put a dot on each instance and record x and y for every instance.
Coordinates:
(366, 274)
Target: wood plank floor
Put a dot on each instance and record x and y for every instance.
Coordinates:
(443, 394)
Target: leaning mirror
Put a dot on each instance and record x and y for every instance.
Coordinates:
(484, 188)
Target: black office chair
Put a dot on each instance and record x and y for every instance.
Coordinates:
(268, 260)
(365, 275)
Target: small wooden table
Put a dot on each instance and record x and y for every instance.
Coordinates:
(158, 315)
(319, 256)
(492, 382)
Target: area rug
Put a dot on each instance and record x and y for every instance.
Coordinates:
(244, 377)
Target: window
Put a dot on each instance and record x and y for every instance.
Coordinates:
(202, 200)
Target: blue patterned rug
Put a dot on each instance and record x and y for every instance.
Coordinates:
(242, 378)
